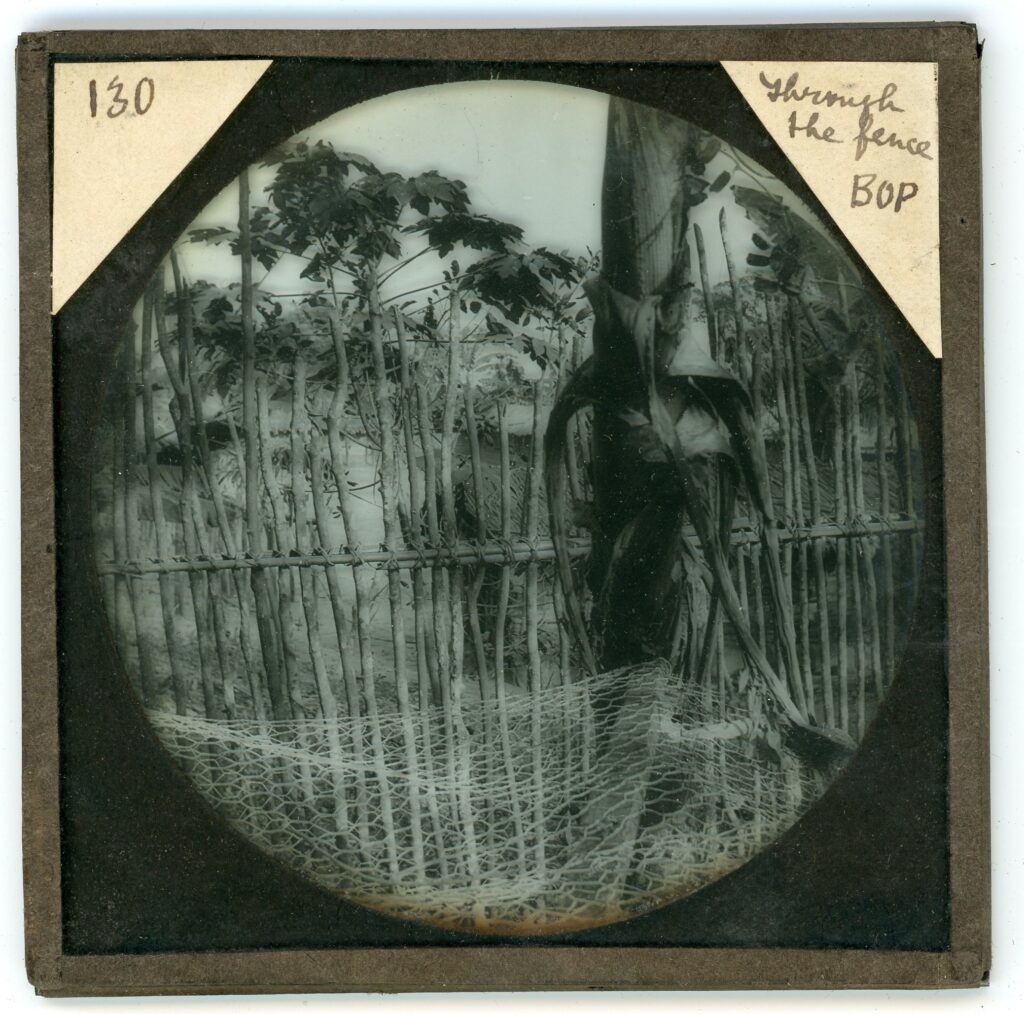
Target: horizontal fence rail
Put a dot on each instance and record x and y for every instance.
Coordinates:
(512, 552)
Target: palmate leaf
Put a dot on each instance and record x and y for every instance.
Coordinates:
(398, 189)
(347, 208)
(477, 232)
(267, 255)
(270, 309)
(552, 266)
(318, 269)
(522, 284)
(432, 188)
(379, 243)
(217, 310)
(348, 160)
(267, 244)
(540, 351)
(318, 193)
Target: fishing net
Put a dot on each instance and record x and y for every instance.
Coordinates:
(532, 814)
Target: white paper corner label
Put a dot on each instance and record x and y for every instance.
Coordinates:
(121, 133)
(864, 136)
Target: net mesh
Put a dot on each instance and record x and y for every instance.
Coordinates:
(532, 814)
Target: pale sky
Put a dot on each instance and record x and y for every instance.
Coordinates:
(530, 153)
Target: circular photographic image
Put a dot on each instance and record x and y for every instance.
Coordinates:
(508, 506)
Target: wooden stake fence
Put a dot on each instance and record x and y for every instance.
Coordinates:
(349, 613)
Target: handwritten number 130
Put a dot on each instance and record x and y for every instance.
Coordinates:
(145, 92)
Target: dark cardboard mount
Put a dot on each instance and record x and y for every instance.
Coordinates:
(134, 886)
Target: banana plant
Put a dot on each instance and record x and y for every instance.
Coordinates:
(674, 435)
